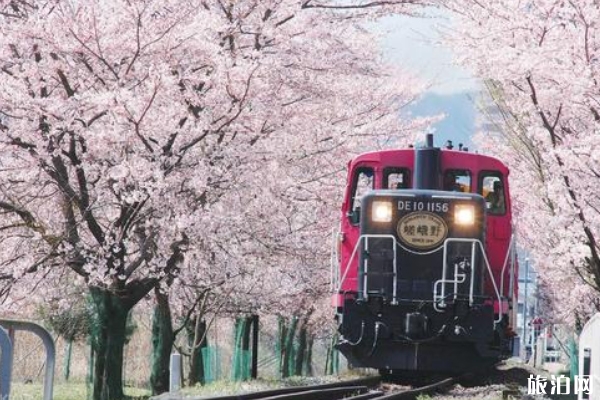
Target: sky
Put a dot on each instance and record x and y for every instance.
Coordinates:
(413, 43)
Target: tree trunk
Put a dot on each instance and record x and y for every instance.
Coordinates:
(308, 371)
(328, 361)
(67, 365)
(301, 351)
(197, 341)
(280, 344)
(162, 343)
(288, 351)
(109, 336)
(332, 361)
(89, 382)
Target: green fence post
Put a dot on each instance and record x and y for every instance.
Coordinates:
(255, 327)
(288, 355)
(280, 344)
(68, 356)
(308, 360)
(236, 351)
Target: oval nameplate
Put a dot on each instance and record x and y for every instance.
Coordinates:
(422, 230)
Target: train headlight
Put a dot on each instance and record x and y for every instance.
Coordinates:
(381, 211)
(464, 214)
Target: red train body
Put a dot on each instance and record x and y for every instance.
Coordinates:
(426, 275)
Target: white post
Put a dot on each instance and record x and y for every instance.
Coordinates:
(526, 312)
(175, 373)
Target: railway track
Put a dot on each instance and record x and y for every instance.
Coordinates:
(328, 391)
(411, 394)
(357, 389)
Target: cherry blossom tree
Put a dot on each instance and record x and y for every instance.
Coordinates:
(273, 257)
(143, 143)
(541, 60)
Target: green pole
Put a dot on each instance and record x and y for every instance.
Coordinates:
(255, 327)
(235, 363)
(300, 351)
(90, 375)
(308, 359)
(288, 355)
(246, 357)
(574, 357)
(67, 366)
(280, 343)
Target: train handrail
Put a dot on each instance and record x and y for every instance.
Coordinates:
(444, 268)
(365, 279)
(333, 261)
(341, 282)
(473, 242)
(509, 252)
(456, 281)
(487, 264)
(394, 267)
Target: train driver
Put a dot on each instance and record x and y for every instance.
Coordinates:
(451, 184)
(495, 199)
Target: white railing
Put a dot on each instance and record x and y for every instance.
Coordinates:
(360, 240)
(439, 296)
(334, 270)
(510, 257)
(394, 266)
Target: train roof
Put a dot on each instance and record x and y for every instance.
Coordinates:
(467, 159)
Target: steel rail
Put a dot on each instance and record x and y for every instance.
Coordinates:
(311, 392)
(321, 394)
(411, 394)
(367, 396)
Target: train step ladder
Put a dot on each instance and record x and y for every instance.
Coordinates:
(386, 254)
(7, 340)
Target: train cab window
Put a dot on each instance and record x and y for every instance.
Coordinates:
(396, 178)
(362, 183)
(457, 180)
(492, 189)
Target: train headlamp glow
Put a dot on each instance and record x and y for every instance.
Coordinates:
(464, 214)
(381, 211)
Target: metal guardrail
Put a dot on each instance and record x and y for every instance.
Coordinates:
(7, 328)
(5, 363)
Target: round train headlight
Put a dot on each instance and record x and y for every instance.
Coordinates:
(381, 211)
(464, 214)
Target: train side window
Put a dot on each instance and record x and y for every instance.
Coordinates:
(362, 183)
(492, 189)
(396, 178)
(457, 180)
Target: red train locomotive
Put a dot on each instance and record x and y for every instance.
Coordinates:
(426, 277)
